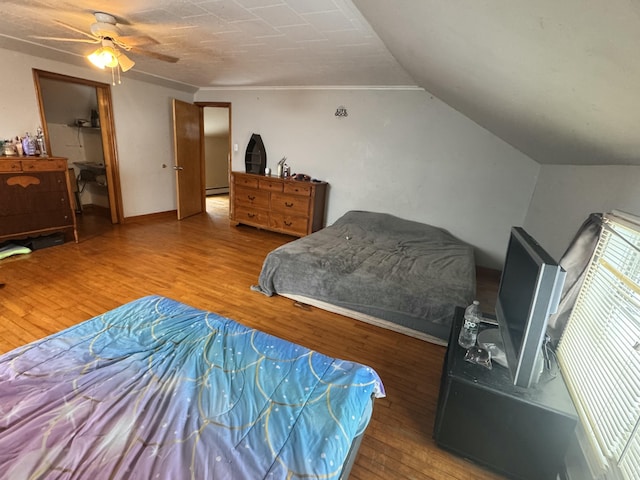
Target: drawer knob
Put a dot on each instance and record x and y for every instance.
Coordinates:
(288, 204)
(251, 197)
(288, 224)
(251, 215)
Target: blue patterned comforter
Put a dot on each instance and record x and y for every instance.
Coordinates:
(158, 389)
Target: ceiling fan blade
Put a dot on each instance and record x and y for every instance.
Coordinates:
(136, 40)
(77, 30)
(158, 56)
(79, 40)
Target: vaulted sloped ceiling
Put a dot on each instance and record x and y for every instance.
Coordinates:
(560, 81)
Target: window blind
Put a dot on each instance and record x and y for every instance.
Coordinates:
(599, 352)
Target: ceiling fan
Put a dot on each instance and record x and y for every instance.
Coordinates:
(105, 32)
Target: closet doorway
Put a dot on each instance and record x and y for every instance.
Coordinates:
(77, 120)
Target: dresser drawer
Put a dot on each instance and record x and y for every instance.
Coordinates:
(24, 202)
(252, 197)
(289, 223)
(10, 165)
(26, 183)
(44, 165)
(290, 204)
(297, 188)
(253, 216)
(31, 222)
(50, 202)
(271, 185)
(245, 180)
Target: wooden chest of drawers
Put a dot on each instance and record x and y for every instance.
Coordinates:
(35, 197)
(282, 205)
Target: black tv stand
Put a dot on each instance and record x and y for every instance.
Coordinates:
(521, 433)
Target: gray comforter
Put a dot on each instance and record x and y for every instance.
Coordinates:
(405, 272)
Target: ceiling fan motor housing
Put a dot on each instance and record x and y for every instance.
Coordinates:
(101, 29)
(102, 17)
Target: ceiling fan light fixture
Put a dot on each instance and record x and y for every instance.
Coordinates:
(125, 62)
(96, 58)
(110, 57)
(105, 56)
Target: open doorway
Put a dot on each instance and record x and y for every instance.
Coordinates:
(217, 155)
(77, 121)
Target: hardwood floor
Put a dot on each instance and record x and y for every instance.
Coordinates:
(205, 262)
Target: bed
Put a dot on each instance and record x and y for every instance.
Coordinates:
(402, 275)
(159, 389)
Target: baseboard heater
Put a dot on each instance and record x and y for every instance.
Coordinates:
(216, 190)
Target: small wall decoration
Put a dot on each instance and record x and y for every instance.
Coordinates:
(341, 111)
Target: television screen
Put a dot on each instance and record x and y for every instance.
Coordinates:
(529, 292)
(520, 276)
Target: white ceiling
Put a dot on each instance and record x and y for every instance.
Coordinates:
(227, 42)
(559, 81)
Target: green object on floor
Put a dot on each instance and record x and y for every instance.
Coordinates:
(13, 249)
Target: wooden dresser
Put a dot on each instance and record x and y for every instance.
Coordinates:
(282, 205)
(35, 197)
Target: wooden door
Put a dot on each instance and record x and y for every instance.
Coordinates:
(189, 165)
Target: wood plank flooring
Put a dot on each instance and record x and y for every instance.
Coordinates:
(205, 262)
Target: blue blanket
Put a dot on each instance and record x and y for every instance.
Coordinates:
(158, 389)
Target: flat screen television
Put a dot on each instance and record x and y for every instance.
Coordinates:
(529, 292)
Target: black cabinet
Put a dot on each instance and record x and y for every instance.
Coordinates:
(521, 433)
(255, 158)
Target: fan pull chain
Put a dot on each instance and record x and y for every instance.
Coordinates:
(115, 73)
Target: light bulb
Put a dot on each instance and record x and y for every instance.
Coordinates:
(109, 57)
(96, 58)
(105, 56)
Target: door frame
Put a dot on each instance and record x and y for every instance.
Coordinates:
(107, 131)
(226, 105)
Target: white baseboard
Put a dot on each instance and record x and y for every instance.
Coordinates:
(216, 190)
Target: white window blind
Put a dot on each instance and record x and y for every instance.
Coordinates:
(599, 353)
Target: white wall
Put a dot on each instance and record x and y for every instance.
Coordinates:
(67, 142)
(398, 151)
(144, 129)
(216, 154)
(143, 120)
(80, 145)
(565, 195)
(65, 102)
